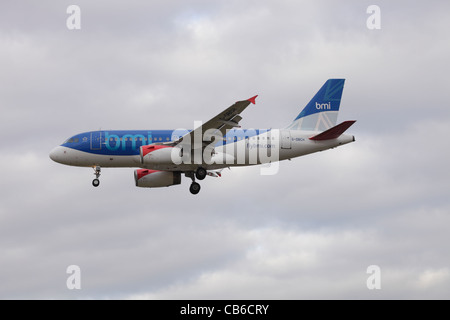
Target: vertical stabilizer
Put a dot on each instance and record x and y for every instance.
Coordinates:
(321, 112)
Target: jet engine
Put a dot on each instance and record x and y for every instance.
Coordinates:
(154, 178)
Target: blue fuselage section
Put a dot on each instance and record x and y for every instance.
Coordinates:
(128, 142)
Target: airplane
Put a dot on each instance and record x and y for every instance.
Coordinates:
(163, 156)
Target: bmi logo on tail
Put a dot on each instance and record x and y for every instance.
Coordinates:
(323, 106)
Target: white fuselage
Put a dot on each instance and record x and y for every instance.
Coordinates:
(271, 146)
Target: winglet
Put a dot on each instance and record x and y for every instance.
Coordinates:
(253, 100)
(334, 132)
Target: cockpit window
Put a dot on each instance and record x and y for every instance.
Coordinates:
(71, 140)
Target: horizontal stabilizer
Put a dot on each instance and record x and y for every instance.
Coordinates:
(334, 132)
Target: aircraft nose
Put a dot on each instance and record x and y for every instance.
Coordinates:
(56, 154)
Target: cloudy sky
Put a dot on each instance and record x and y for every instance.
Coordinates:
(308, 232)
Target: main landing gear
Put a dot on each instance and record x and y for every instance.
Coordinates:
(96, 182)
(200, 174)
(194, 188)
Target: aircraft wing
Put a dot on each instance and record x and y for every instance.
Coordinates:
(218, 126)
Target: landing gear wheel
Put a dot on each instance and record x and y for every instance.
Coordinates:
(97, 171)
(194, 188)
(200, 174)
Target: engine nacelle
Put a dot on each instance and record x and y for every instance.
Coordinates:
(154, 179)
(152, 155)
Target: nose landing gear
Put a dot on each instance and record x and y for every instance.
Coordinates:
(96, 181)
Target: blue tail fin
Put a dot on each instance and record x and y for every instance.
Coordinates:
(321, 112)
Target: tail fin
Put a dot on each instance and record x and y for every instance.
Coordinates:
(322, 111)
